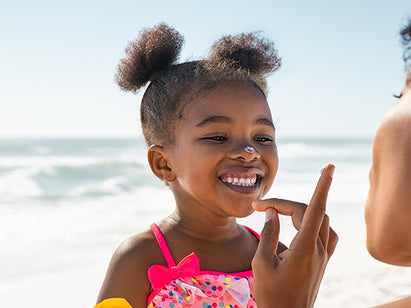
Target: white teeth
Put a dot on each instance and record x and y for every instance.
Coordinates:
(240, 181)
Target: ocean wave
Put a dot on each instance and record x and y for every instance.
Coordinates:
(112, 186)
(61, 178)
(19, 184)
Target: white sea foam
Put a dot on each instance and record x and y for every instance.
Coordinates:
(70, 234)
(112, 186)
(18, 183)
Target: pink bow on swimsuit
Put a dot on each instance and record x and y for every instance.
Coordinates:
(160, 275)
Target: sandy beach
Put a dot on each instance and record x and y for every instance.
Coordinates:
(352, 279)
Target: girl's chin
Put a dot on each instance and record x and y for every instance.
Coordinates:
(244, 216)
(244, 212)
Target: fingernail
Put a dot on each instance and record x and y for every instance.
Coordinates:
(332, 171)
(269, 214)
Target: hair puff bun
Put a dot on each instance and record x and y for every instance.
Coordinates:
(154, 50)
(247, 51)
(406, 42)
(406, 33)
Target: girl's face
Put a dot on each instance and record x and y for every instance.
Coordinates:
(213, 170)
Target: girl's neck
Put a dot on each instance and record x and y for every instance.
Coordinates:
(219, 230)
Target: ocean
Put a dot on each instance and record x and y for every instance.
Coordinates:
(65, 204)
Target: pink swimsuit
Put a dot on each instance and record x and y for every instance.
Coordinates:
(185, 285)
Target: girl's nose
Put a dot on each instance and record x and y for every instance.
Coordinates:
(245, 153)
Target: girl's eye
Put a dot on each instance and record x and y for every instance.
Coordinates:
(216, 138)
(263, 139)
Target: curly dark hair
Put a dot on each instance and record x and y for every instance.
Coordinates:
(153, 56)
(406, 42)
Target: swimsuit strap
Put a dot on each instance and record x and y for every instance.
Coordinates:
(253, 232)
(166, 251)
(163, 245)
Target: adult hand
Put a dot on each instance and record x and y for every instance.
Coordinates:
(292, 278)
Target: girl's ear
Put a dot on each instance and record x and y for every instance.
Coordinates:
(157, 158)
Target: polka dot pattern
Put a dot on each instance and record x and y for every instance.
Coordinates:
(206, 291)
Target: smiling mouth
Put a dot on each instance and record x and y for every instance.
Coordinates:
(240, 180)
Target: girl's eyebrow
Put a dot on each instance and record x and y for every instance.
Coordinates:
(214, 119)
(264, 121)
(224, 119)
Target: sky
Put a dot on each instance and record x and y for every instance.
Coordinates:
(341, 61)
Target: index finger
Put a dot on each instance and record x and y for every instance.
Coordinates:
(315, 212)
(284, 207)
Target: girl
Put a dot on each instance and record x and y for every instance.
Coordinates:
(211, 139)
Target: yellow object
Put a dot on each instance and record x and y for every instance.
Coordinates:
(114, 303)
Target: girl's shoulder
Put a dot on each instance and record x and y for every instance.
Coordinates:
(137, 247)
(126, 276)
